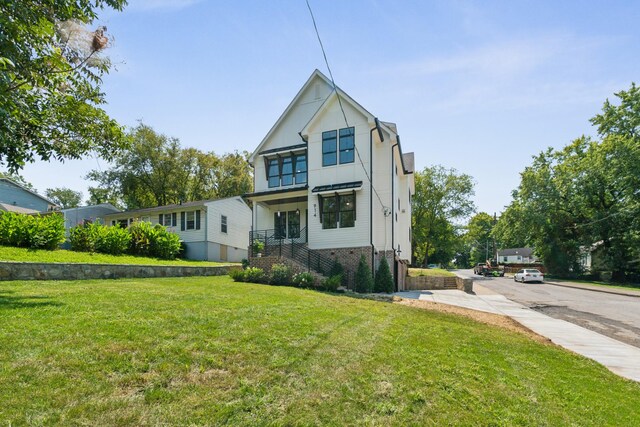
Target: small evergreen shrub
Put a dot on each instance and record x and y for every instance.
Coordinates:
(245, 263)
(238, 275)
(332, 283)
(303, 280)
(364, 280)
(338, 269)
(254, 275)
(280, 275)
(383, 281)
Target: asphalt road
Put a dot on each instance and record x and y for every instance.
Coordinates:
(616, 316)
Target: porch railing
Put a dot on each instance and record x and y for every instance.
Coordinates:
(275, 244)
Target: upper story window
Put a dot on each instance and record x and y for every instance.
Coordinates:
(285, 170)
(329, 157)
(330, 145)
(223, 223)
(347, 137)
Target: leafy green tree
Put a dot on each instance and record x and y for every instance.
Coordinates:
(478, 237)
(51, 67)
(442, 197)
(64, 197)
(157, 171)
(584, 195)
(364, 279)
(384, 280)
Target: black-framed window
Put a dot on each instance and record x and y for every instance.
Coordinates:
(347, 210)
(223, 223)
(293, 224)
(190, 220)
(286, 177)
(273, 172)
(301, 168)
(280, 225)
(329, 212)
(347, 139)
(329, 148)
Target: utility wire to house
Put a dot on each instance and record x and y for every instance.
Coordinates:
(344, 115)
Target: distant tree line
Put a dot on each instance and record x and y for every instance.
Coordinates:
(584, 198)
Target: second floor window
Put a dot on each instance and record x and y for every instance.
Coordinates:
(347, 145)
(223, 223)
(287, 170)
(329, 157)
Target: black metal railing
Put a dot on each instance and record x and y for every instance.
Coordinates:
(274, 243)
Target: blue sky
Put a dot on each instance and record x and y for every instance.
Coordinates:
(476, 86)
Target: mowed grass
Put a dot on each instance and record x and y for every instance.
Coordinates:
(414, 272)
(207, 351)
(40, 255)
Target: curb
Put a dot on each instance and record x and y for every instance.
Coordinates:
(594, 289)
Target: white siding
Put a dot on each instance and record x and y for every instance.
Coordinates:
(238, 222)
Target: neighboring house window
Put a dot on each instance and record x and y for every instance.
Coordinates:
(223, 223)
(505, 259)
(338, 210)
(274, 173)
(145, 219)
(301, 168)
(346, 145)
(190, 220)
(287, 171)
(329, 157)
(123, 223)
(293, 223)
(168, 220)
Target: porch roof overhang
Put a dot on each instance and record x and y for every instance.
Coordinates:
(280, 196)
(336, 188)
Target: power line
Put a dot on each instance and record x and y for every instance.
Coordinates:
(344, 115)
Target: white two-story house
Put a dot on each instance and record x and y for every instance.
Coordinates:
(332, 182)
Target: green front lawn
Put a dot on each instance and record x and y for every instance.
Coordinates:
(414, 272)
(8, 253)
(209, 351)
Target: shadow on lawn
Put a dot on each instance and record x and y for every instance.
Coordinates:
(8, 301)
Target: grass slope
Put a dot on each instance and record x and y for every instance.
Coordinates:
(40, 255)
(209, 351)
(415, 272)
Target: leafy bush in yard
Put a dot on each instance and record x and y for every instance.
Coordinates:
(280, 275)
(31, 231)
(83, 237)
(238, 275)
(254, 275)
(332, 283)
(364, 280)
(150, 240)
(303, 280)
(383, 281)
(113, 240)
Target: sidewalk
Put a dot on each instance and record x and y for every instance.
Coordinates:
(618, 357)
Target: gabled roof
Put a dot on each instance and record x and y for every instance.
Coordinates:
(100, 205)
(337, 92)
(28, 191)
(294, 102)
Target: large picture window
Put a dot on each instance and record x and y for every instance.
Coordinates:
(347, 137)
(329, 157)
(338, 211)
(285, 170)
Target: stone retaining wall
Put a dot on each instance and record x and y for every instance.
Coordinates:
(59, 271)
(420, 283)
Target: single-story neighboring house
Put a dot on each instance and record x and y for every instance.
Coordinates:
(213, 230)
(93, 213)
(517, 256)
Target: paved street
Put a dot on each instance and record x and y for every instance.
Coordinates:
(616, 316)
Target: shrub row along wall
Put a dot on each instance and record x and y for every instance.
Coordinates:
(59, 271)
(438, 282)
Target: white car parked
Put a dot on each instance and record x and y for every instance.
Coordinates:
(529, 275)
